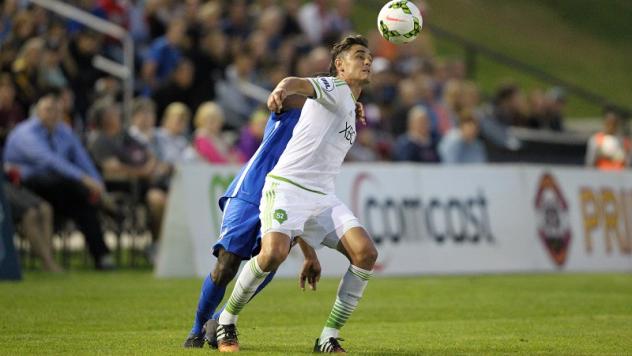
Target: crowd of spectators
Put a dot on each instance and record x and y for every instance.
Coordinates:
(201, 70)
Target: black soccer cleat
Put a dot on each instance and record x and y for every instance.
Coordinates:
(194, 341)
(211, 333)
(330, 346)
(227, 338)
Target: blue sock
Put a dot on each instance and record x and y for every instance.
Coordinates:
(210, 296)
(261, 286)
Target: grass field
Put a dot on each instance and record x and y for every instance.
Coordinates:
(134, 313)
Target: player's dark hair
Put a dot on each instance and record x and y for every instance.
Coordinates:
(342, 46)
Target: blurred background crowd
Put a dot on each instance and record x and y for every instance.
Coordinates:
(202, 73)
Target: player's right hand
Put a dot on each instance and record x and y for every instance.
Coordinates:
(310, 273)
(275, 100)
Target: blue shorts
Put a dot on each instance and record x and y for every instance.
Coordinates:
(240, 232)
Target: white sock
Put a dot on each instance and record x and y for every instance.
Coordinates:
(349, 293)
(249, 279)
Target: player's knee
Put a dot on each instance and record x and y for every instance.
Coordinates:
(271, 258)
(225, 269)
(366, 257)
(370, 255)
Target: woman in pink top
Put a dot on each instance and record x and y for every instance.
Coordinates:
(209, 142)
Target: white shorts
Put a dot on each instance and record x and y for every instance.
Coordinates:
(318, 218)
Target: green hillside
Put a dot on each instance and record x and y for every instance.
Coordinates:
(586, 42)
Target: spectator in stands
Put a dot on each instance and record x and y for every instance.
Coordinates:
(172, 134)
(461, 144)
(319, 59)
(143, 125)
(53, 164)
(19, 27)
(313, 20)
(82, 74)
(607, 150)
(68, 110)
(11, 112)
(555, 104)
(365, 148)
(237, 25)
(209, 142)
(537, 109)
(230, 92)
(270, 25)
(291, 23)
(143, 130)
(107, 88)
(338, 20)
(209, 17)
(26, 72)
(252, 134)
(179, 88)
(156, 15)
(408, 96)
(470, 97)
(449, 106)
(123, 161)
(417, 144)
(33, 218)
(164, 55)
(210, 60)
(50, 71)
(509, 107)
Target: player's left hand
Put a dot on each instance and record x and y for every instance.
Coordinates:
(360, 113)
(275, 100)
(310, 273)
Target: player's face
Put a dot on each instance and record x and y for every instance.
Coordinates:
(356, 64)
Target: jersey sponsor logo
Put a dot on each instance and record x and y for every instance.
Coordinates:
(348, 133)
(326, 83)
(553, 222)
(280, 215)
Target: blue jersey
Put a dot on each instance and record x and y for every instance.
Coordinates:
(248, 184)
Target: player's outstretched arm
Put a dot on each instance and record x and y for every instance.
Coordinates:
(286, 87)
(311, 266)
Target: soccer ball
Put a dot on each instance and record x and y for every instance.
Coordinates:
(399, 21)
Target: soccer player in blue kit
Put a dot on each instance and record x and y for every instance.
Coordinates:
(240, 230)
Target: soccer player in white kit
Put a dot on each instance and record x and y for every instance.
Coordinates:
(298, 196)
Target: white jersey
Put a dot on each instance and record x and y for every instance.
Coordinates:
(324, 134)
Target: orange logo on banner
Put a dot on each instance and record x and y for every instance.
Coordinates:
(605, 211)
(552, 219)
